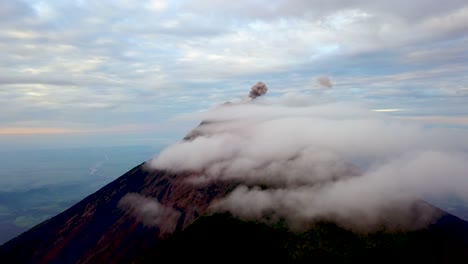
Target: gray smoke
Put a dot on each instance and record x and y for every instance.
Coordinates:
(337, 162)
(257, 90)
(150, 212)
(325, 81)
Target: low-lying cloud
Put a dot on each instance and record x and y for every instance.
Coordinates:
(150, 212)
(334, 162)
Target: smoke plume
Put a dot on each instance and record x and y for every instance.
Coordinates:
(310, 162)
(257, 90)
(325, 81)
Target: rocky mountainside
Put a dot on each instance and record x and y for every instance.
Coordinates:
(220, 236)
(97, 230)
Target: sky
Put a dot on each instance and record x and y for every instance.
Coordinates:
(119, 72)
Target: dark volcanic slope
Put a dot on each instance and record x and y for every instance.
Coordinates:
(220, 236)
(96, 231)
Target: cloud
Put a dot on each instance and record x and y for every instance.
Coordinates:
(384, 198)
(309, 162)
(413, 11)
(36, 130)
(150, 212)
(13, 10)
(389, 110)
(218, 48)
(157, 5)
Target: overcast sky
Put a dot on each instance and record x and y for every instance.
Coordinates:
(117, 72)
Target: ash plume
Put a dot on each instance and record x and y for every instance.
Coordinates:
(257, 90)
(336, 162)
(325, 81)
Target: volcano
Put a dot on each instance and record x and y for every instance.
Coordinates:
(95, 230)
(156, 215)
